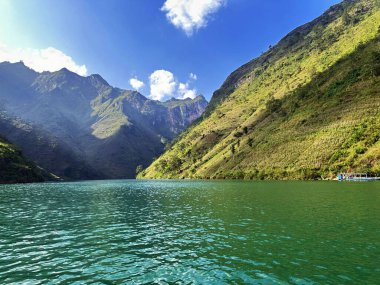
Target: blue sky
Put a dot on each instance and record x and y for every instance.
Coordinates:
(175, 47)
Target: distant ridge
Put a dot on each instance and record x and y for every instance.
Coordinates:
(90, 129)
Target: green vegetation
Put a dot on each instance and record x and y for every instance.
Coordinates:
(139, 168)
(14, 168)
(306, 109)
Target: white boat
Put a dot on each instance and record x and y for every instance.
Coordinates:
(350, 176)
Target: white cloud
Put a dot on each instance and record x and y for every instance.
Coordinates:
(163, 86)
(185, 92)
(136, 84)
(48, 59)
(190, 15)
(193, 76)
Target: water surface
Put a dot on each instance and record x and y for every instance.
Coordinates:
(190, 232)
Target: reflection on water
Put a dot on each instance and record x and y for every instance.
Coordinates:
(190, 232)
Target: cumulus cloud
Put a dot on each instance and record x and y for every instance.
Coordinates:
(48, 59)
(136, 84)
(164, 85)
(185, 92)
(190, 15)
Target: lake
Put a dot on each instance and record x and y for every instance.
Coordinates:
(190, 232)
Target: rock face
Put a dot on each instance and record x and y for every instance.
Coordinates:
(101, 131)
(305, 109)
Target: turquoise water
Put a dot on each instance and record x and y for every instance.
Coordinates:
(190, 232)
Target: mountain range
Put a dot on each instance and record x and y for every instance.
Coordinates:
(75, 127)
(307, 108)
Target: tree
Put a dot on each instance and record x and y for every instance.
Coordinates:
(139, 169)
(238, 134)
(162, 164)
(346, 17)
(273, 105)
(376, 63)
(174, 163)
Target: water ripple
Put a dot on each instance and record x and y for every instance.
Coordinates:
(189, 232)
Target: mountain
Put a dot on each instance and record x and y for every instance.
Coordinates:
(14, 168)
(305, 109)
(81, 127)
(45, 150)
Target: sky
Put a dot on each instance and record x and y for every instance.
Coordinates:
(162, 48)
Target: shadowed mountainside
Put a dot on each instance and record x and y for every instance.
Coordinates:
(81, 127)
(14, 168)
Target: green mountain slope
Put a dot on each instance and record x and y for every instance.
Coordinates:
(308, 107)
(13, 166)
